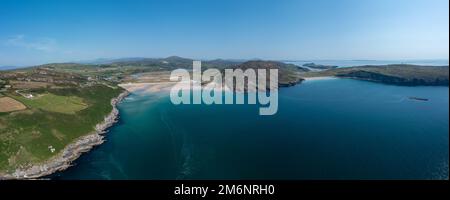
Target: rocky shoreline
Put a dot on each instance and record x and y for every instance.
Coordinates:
(72, 151)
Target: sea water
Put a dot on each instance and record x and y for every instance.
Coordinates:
(324, 129)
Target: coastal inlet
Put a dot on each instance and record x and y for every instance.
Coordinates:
(324, 129)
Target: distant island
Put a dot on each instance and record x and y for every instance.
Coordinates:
(316, 66)
(50, 114)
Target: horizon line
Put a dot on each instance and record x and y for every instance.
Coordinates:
(88, 61)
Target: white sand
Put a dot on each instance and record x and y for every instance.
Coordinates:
(162, 86)
(319, 78)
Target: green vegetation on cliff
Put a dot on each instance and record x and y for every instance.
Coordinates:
(36, 134)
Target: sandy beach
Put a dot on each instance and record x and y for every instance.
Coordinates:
(163, 87)
(147, 87)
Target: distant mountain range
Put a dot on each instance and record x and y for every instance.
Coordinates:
(144, 60)
(289, 74)
(99, 61)
(168, 62)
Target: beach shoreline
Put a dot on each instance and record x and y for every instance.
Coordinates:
(73, 151)
(147, 87)
(165, 87)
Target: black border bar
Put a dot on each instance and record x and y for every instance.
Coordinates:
(164, 189)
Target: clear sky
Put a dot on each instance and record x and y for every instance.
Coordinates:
(42, 31)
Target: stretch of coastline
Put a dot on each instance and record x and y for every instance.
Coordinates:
(72, 151)
(318, 78)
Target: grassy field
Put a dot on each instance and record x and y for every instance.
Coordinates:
(55, 103)
(25, 136)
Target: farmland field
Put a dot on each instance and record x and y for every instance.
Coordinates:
(29, 84)
(27, 135)
(55, 103)
(8, 104)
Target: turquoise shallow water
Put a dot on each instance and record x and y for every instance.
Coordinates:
(327, 129)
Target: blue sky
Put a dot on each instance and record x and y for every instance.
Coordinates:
(42, 31)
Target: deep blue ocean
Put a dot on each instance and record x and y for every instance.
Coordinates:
(324, 129)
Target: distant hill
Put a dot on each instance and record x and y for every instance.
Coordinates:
(108, 60)
(288, 74)
(173, 62)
